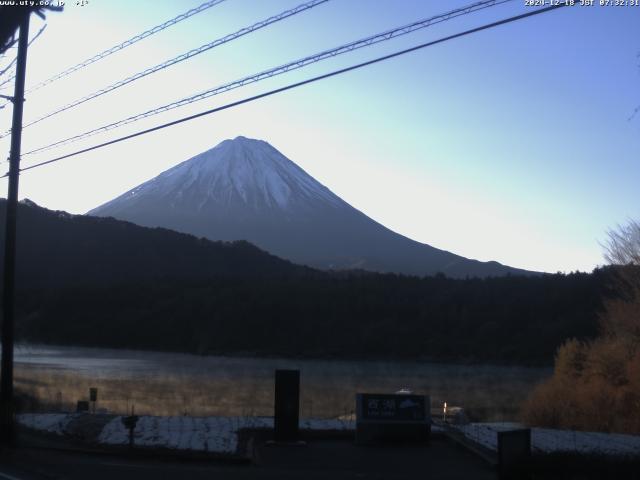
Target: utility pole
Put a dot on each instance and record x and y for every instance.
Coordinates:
(7, 427)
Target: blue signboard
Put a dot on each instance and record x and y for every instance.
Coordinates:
(387, 407)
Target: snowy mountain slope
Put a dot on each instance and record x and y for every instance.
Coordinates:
(246, 189)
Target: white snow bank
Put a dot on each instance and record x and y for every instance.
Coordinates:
(547, 440)
(326, 424)
(209, 434)
(47, 422)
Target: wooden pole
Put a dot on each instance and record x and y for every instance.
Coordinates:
(7, 427)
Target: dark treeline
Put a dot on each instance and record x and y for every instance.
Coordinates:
(102, 282)
(505, 320)
(56, 250)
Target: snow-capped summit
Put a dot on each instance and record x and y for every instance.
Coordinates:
(241, 171)
(244, 189)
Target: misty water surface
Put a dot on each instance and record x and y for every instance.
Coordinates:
(175, 384)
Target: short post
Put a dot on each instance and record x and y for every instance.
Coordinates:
(130, 424)
(287, 405)
(93, 398)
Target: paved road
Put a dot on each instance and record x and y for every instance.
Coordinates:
(319, 459)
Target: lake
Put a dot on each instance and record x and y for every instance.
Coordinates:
(158, 383)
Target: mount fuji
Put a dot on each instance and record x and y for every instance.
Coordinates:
(245, 189)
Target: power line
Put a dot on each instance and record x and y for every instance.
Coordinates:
(4, 82)
(302, 62)
(16, 57)
(9, 65)
(299, 84)
(14, 60)
(7, 46)
(127, 43)
(180, 58)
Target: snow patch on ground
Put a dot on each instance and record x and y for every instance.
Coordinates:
(205, 434)
(220, 434)
(326, 424)
(546, 440)
(209, 434)
(46, 422)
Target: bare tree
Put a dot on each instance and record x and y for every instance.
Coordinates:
(621, 315)
(623, 244)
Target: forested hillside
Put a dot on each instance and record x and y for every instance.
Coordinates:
(108, 283)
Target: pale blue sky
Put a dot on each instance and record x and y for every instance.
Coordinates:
(513, 144)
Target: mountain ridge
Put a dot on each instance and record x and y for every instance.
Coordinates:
(245, 189)
(56, 249)
(108, 283)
